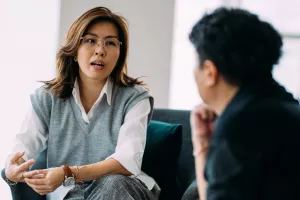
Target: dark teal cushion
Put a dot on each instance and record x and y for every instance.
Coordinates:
(161, 155)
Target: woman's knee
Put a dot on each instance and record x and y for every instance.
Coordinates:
(108, 185)
(112, 180)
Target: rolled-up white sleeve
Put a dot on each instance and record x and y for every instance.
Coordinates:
(32, 137)
(132, 137)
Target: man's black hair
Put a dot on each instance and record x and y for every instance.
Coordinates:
(243, 48)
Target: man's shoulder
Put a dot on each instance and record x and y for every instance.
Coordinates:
(259, 118)
(261, 108)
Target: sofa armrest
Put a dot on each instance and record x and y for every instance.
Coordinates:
(191, 192)
(22, 191)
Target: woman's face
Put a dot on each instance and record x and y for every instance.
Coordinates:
(99, 51)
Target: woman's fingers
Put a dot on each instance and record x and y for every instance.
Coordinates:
(30, 174)
(16, 157)
(39, 189)
(35, 174)
(38, 176)
(37, 183)
(25, 166)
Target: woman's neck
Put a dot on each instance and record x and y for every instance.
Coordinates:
(89, 91)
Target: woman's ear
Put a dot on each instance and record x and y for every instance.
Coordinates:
(211, 73)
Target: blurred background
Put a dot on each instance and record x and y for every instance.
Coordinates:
(32, 31)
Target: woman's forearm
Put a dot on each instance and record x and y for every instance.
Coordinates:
(97, 170)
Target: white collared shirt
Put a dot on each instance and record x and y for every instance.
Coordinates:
(107, 89)
(33, 137)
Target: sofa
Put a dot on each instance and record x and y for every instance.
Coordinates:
(171, 164)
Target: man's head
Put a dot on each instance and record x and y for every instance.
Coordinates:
(235, 49)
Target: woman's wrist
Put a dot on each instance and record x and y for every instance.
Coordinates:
(75, 172)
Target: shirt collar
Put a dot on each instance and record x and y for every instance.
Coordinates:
(107, 89)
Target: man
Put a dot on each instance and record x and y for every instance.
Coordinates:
(251, 150)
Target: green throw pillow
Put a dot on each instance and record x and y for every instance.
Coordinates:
(161, 156)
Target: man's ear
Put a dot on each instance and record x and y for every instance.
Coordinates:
(210, 72)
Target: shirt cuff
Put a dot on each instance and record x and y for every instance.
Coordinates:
(130, 162)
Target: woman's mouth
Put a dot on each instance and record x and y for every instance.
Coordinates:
(97, 65)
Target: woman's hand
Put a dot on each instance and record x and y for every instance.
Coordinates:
(16, 167)
(202, 124)
(53, 178)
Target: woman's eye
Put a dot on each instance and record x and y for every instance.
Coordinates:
(110, 43)
(91, 41)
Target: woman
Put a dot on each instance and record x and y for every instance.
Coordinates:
(92, 118)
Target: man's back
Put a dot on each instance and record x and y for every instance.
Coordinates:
(255, 146)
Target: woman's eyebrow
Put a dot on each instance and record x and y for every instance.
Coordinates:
(109, 36)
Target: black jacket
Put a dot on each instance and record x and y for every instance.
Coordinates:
(255, 149)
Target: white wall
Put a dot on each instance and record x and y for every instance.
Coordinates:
(28, 38)
(183, 89)
(150, 28)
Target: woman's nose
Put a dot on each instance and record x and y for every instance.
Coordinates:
(100, 50)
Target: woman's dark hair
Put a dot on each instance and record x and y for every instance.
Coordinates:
(243, 48)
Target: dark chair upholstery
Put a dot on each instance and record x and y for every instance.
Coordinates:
(186, 170)
(186, 166)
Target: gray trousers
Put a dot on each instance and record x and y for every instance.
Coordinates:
(112, 187)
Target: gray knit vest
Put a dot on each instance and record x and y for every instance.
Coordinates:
(71, 140)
